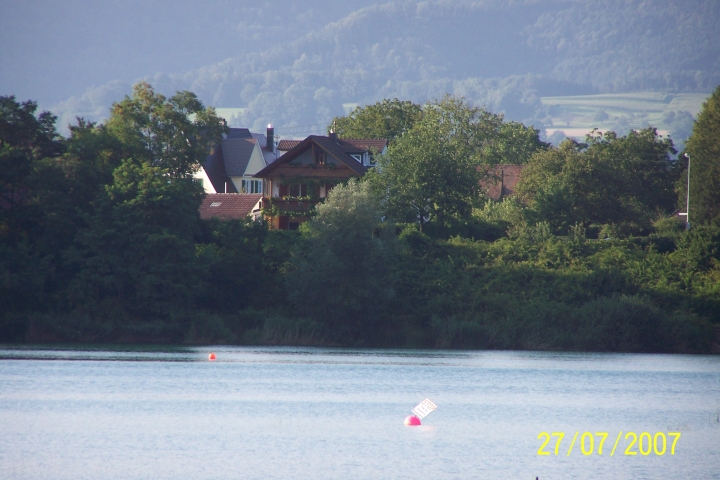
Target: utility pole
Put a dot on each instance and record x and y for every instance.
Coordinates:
(687, 203)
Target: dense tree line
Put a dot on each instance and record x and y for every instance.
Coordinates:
(101, 240)
(588, 255)
(104, 225)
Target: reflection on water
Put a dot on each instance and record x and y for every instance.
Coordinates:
(129, 412)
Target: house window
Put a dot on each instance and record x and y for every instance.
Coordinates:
(371, 160)
(252, 186)
(298, 190)
(357, 157)
(319, 157)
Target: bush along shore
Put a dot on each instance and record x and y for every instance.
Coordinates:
(530, 293)
(101, 240)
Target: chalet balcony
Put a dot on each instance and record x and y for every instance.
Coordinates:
(329, 170)
(284, 205)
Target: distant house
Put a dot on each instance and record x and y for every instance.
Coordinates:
(501, 181)
(285, 146)
(303, 176)
(231, 206)
(234, 161)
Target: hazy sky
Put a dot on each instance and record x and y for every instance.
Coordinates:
(54, 49)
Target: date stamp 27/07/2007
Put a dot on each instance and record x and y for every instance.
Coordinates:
(592, 443)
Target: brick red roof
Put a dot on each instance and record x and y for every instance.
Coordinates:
(228, 206)
(375, 144)
(286, 145)
(502, 180)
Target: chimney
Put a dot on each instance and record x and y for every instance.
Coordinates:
(333, 136)
(271, 137)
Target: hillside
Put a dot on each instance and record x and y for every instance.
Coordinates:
(574, 116)
(506, 55)
(53, 50)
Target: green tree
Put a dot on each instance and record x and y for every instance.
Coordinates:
(137, 252)
(68, 184)
(564, 186)
(234, 268)
(610, 179)
(175, 134)
(25, 140)
(387, 119)
(514, 144)
(92, 155)
(644, 160)
(27, 143)
(703, 146)
(431, 171)
(343, 267)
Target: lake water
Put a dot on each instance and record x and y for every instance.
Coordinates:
(306, 413)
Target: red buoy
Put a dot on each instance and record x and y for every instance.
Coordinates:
(412, 421)
(212, 356)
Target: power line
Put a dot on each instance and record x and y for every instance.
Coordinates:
(300, 127)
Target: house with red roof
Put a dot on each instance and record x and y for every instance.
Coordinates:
(231, 206)
(285, 146)
(302, 177)
(500, 180)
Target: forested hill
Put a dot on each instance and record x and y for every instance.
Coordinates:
(505, 54)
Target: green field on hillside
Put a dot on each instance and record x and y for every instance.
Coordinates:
(670, 113)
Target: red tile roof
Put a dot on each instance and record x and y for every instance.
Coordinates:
(228, 206)
(501, 180)
(367, 143)
(286, 145)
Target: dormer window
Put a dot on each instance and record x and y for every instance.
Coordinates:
(357, 157)
(319, 157)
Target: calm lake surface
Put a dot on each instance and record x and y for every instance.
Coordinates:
(307, 413)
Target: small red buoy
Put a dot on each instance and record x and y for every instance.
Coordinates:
(212, 356)
(412, 421)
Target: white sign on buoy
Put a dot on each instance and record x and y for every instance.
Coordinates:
(424, 408)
